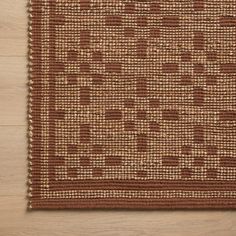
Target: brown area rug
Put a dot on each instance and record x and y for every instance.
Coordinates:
(132, 104)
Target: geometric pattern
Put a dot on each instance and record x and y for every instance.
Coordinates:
(132, 104)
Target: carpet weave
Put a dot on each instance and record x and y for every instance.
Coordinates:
(132, 104)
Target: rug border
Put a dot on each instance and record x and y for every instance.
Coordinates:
(136, 204)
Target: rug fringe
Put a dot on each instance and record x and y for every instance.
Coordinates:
(30, 88)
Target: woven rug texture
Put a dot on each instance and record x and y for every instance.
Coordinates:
(132, 104)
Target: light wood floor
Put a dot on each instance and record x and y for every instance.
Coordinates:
(14, 219)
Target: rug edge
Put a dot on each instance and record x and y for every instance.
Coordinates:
(30, 66)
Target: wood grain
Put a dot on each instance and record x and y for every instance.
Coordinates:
(15, 220)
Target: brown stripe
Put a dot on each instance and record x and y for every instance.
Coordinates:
(72, 55)
(154, 102)
(72, 148)
(198, 68)
(198, 96)
(97, 79)
(170, 68)
(227, 115)
(141, 173)
(97, 56)
(198, 5)
(155, 8)
(72, 172)
(170, 161)
(129, 8)
(228, 161)
(212, 173)
(113, 20)
(198, 40)
(199, 161)
(129, 125)
(170, 115)
(58, 114)
(186, 173)
(142, 49)
(211, 150)
(97, 149)
(129, 32)
(84, 67)
(211, 56)
(84, 133)
(142, 143)
(186, 150)
(211, 80)
(84, 95)
(136, 203)
(170, 21)
(57, 19)
(115, 114)
(186, 56)
(141, 115)
(154, 32)
(228, 68)
(113, 67)
(84, 161)
(141, 87)
(198, 134)
(84, 38)
(85, 5)
(113, 160)
(228, 21)
(186, 80)
(129, 103)
(97, 172)
(142, 21)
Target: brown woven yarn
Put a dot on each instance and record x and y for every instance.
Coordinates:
(132, 104)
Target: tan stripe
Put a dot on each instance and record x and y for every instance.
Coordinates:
(153, 184)
(141, 194)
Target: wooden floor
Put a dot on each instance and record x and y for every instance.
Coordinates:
(14, 218)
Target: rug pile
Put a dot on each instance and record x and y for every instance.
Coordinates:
(132, 104)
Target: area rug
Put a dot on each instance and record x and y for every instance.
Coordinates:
(132, 104)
